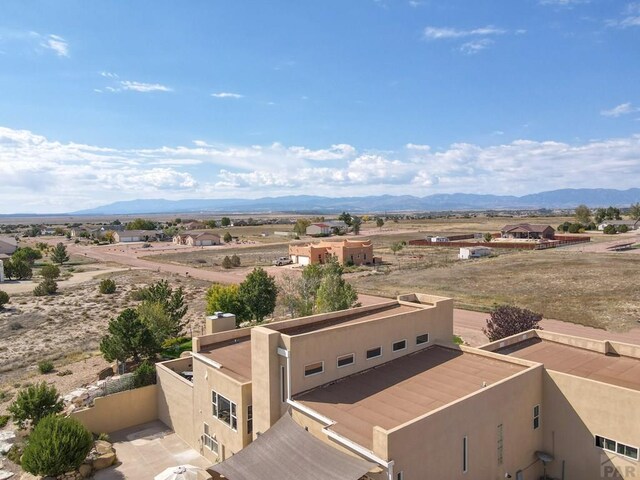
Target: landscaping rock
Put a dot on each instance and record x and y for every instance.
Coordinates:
(85, 470)
(28, 476)
(7, 438)
(104, 461)
(102, 447)
(105, 373)
(4, 474)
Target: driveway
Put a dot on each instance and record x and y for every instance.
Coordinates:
(146, 450)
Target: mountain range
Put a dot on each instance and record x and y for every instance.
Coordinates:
(565, 198)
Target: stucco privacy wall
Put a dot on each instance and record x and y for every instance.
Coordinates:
(434, 442)
(175, 399)
(575, 409)
(120, 410)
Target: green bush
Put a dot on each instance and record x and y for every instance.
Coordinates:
(226, 263)
(575, 228)
(610, 230)
(4, 419)
(45, 367)
(56, 445)
(235, 260)
(34, 403)
(144, 375)
(46, 287)
(4, 299)
(107, 286)
(50, 271)
(622, 229)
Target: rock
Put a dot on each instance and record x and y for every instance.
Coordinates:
(28, 476)
(104, 461)
(85, 470)
(102, 447)
(105, 373)
(4, 474)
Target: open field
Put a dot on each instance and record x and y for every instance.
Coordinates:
(597, 289)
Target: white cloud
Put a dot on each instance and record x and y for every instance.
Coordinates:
(226, 95)
(563, 3)
(144, 87)
(109, 75)
(56, 43)
(630, 17)
(37, 171)
(440, 33)
(476, 46)
(622, 109)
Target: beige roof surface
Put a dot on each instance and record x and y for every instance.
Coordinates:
(234, 356)
(612, 369)
(357, 317)
(403, 389)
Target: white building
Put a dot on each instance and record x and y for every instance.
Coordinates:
(474, 252)
(439, 239)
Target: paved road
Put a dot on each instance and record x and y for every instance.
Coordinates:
(466, 323)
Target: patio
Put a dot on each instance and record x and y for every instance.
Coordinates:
(146, 450)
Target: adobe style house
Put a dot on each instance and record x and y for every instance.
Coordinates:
(381, 392)
(8, 245)
(127, 236)
(201, 239)
(353, 252)
(528, 231)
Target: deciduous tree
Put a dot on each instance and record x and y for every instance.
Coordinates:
(225, 298)
(583, 214)
(507, 320)
(259, 293)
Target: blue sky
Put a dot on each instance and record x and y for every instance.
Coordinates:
(165, 99)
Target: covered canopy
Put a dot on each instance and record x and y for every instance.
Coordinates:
(288, 452)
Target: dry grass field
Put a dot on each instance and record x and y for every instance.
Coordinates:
(595, 289)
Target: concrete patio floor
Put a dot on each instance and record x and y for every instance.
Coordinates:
(146, 450)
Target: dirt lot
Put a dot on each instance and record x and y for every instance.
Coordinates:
(62, 326)
(595, 289)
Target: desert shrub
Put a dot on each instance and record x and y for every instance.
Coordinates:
(56, 445)
(50, 271)
(201, 260)
(507, 320)
(34, 403)
(145, 374)
(610, 230)
(15, 453)
(226, 262)
(575, 228)
(107, 286)
(227, 237)
(46, 287)
(235, 260)
(45, 367)
(4, 419)
(622, 229)
(15, 326)
(104, 437)
(4, 299)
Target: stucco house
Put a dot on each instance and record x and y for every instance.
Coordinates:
(354, 252)
(127, 236)
(201, 239)
(319, 229)
(528, 231)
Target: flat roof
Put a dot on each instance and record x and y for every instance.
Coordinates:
(613, 369)
(233, 355)
(381, 312)
(403, 389)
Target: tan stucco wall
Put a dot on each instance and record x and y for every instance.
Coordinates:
(265, 370)
(576, 409)
(327, 345)
(175, 400)
(120, 410)
(433, 444)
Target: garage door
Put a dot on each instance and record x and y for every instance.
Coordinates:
(302, 260)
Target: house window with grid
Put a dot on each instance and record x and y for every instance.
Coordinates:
(224, 410)
(500, 444)
(536, 417)
(250, 419)
(209, 440)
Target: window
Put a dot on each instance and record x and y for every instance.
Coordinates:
(282, 384)
(400, 476)
(536, 417)
(250, 419)
(500, 444)
(345, 360)
(374, 353)
(224, 410)
(209, 440)
(464, 455)
(617, 447)
(421, 339)
(401, 345)
(313, 369)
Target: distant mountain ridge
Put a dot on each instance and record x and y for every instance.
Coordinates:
(565, 198)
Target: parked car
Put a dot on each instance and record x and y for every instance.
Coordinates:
(282, 261)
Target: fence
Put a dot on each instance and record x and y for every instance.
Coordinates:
(558, 241)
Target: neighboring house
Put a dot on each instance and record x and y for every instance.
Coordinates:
(193, 225)
(528, 231)
(354, 252)
(319, 229)
(8, 245)
(136, 236)
(47, 230)
(202, 239)
(381, 393)
(632, 224)
(474, 252)
(439, 239)
(337, 226)
(2, 258)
